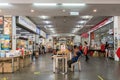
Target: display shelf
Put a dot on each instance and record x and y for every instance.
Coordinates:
(9, 65)
(13, 64)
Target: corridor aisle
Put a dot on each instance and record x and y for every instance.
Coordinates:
(41, 69)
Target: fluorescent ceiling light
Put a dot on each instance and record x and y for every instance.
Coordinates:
(79, 26)
(4, 4)
(89, 25)
(49, 26)
(45, 4)
(74, 13)
(47, 22)
(73, 4)
(75, 30)
(86, 17)
(52, 29)
(82, 22)
(32, 10)
(95, 10)
(44, 17)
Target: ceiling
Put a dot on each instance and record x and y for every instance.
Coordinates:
(63, 1)
(65, 24)
(25, 10)
(60, 16)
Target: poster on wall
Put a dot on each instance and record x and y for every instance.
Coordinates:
(1, 20)
(8, 25)
(63, 47)
(1, 24)
(5, 42)
(92, 35)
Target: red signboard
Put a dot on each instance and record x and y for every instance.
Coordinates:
(100, 24)
(92, 35)
(85, 35)
(118, 52)
(1, 20)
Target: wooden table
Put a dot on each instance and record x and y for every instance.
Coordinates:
(64, 63)
(9, 65)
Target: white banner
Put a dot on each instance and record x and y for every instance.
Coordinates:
(25, 22)
(42, 33)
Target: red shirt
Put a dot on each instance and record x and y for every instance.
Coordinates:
(85, 50)
(80, 48)
(102, 47)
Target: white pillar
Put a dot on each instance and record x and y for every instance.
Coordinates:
(89, 38)
(116, 32)
(13, 33)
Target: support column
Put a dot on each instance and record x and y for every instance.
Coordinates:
(13, 33)
(89, 39)
(116, 35)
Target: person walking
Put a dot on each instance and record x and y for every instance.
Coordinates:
(106, 49)
(33, 54)
(43, 49)
(80, 48)
(85, 51)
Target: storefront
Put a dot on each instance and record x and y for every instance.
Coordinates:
(103, 34)
(7, 55)
(15, 35)
(26, 31)
(84, 37)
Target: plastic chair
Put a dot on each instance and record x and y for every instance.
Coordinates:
(78, 63)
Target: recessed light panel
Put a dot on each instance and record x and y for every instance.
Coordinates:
(47, 22)
(4, 4)
(86, 17)
(79, 26)
(82, 22)
(95, 10)
(73, 4)
(45, 4)
(74, 13)
(43, 17)
(32, 10)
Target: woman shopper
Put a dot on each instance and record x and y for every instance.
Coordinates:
(80, 48)
(106, 49)
(85, 51)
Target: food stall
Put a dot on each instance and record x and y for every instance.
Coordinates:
(102, 35)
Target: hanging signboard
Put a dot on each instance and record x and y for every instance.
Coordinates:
(37, 30)
(42, 33)
(25, 22)
(85, 35)
(101, 24)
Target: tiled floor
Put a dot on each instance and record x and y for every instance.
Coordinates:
(41, 69)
